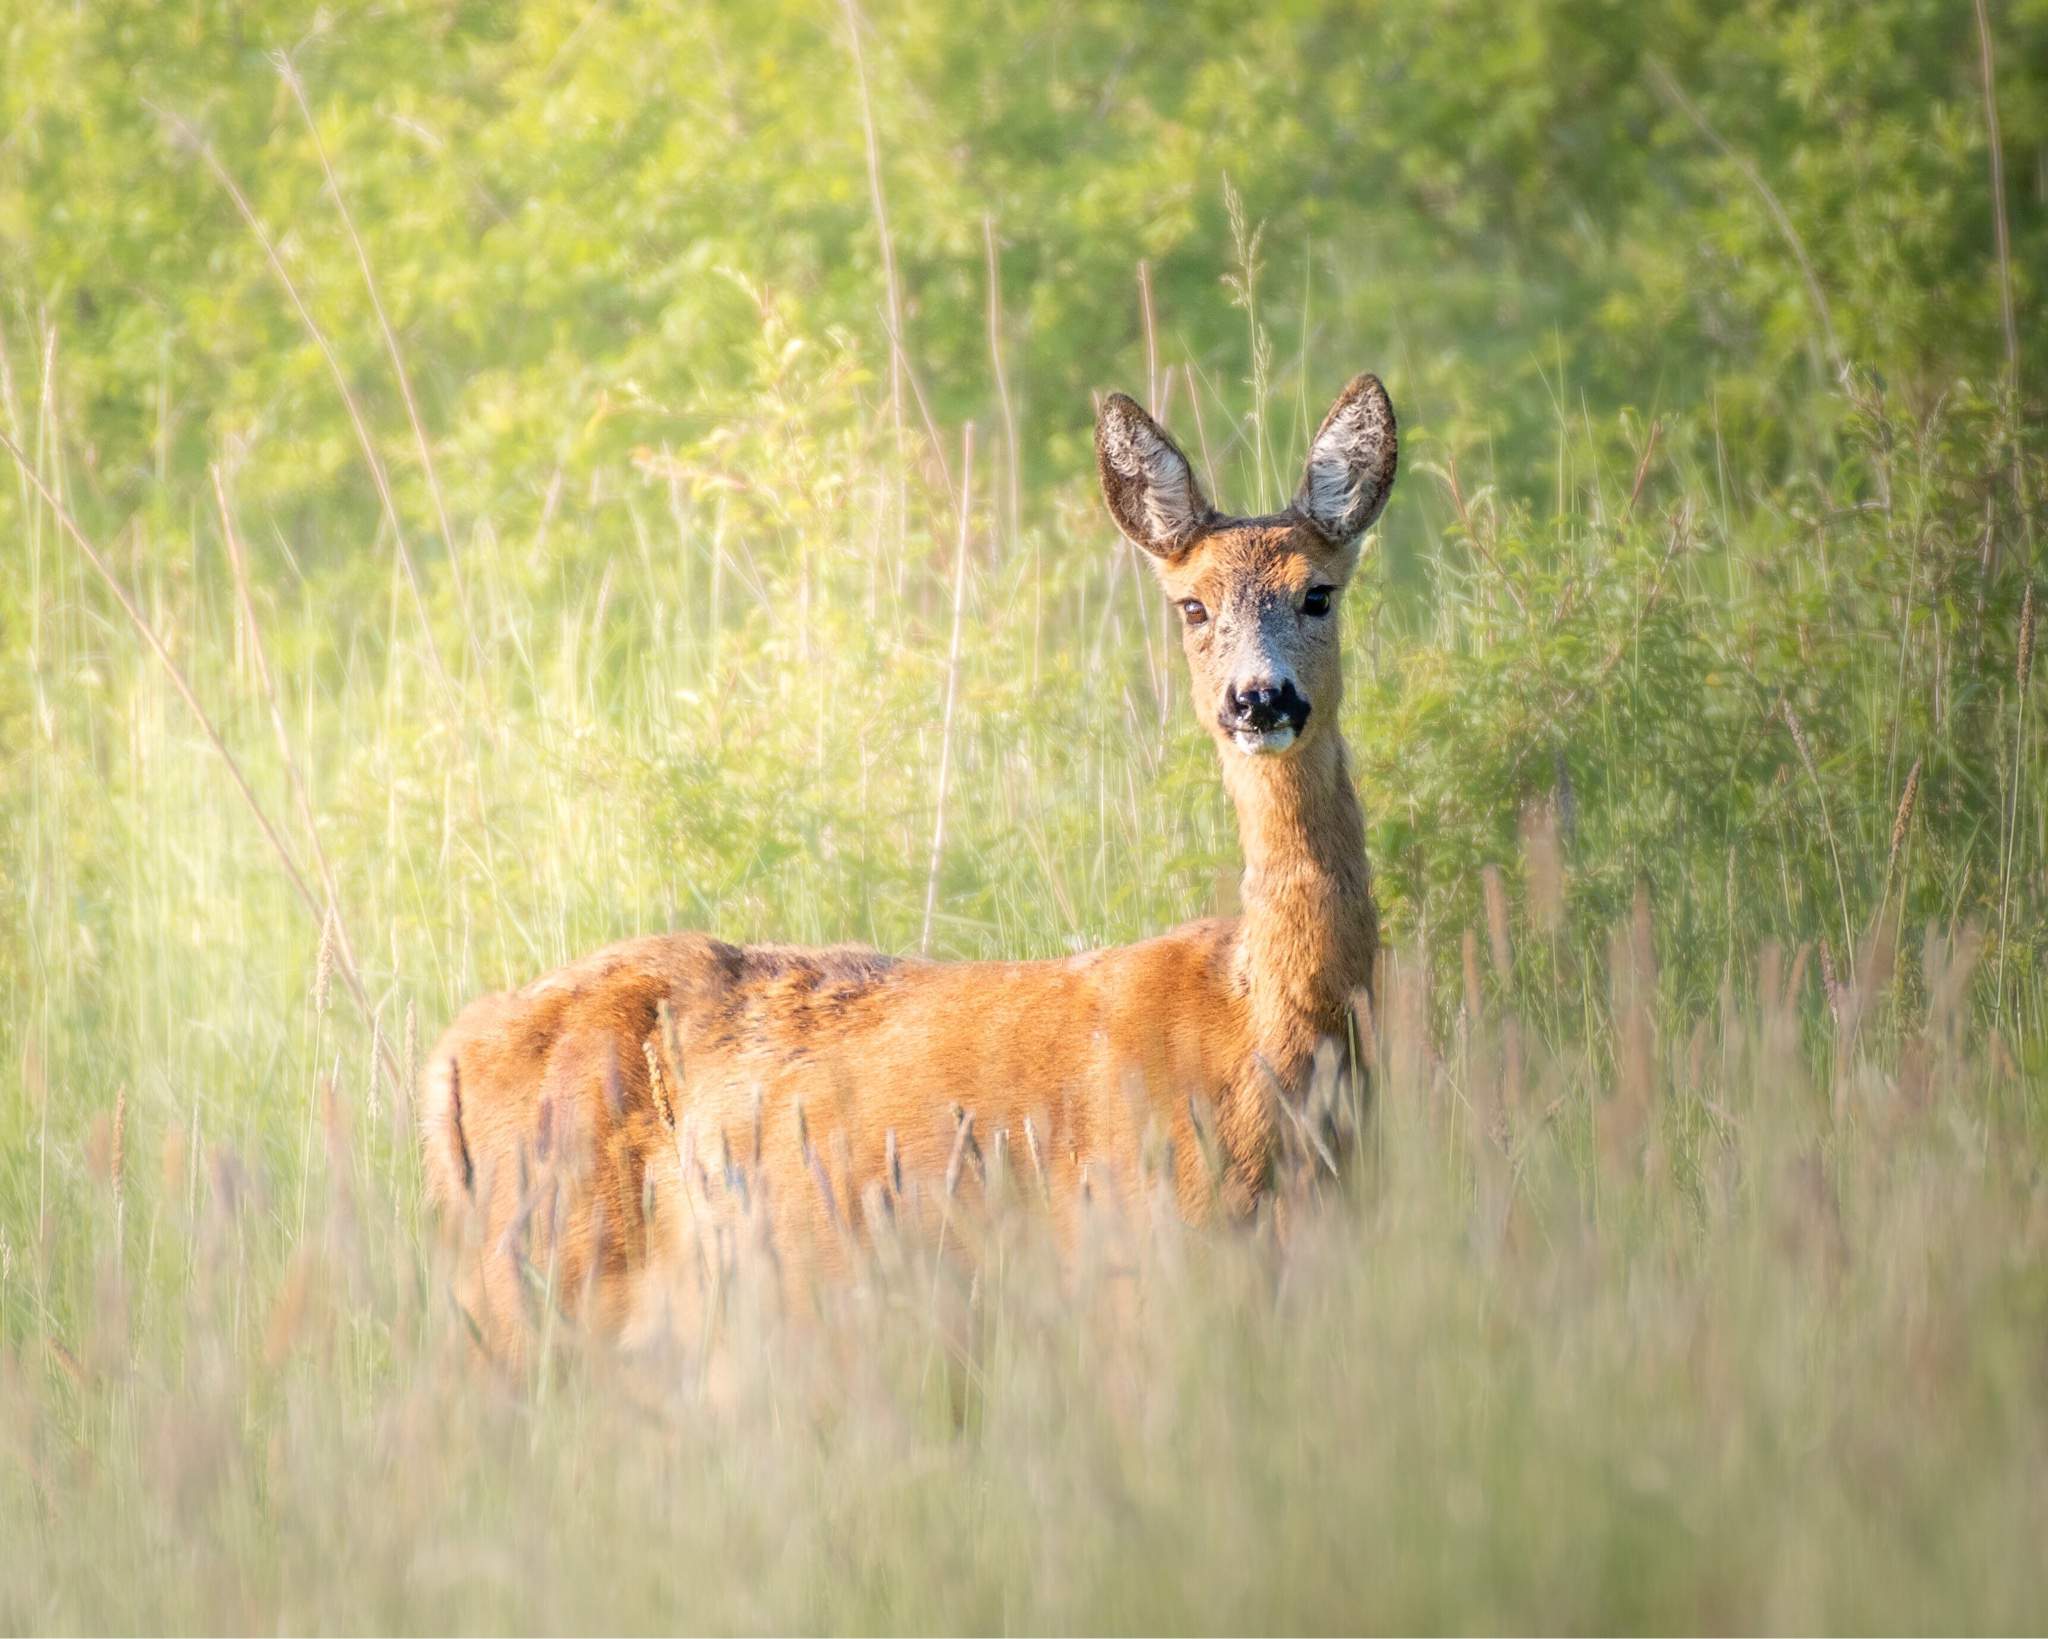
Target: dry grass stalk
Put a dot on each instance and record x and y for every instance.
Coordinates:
(323, 967)
(238, 560)
(892, 288)
(1012, 470)
(931, 884)
(1497, 922)
(1876, 963)
(74, 1368)
(999, 1164)
(1311, 1147)
(1830, 985)
(1632, 979)
(963, 1141)
(657, 1086)
(1876, 960)
(1620, 1118)
(1408, 1029)
(1031, 1144)
(187, 133)
(2023, 667)
(1514, 1075)
(1477, 539)
(1770, 989)
(1797, 730)
(1902, 820)
(1779, 1043)
(371, 1102)
(1635, 489)
(289, 73)
(1948, 965)
(1363, 1026)
(117, 1151)
(1468, 961)
(182, 684)
(1150, 325)
(465, 1165)
(2001, 232)
(334, 1113)
(2009, 822)
(826, 1195)
(191, 699)
(1642, 935)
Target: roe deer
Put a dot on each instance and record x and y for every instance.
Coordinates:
(624, 1108)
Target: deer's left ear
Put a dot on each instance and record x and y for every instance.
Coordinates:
(1350, 463)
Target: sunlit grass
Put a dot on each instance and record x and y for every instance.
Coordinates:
(1690, 1273)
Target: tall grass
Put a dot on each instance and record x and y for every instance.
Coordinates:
(1688, 1271)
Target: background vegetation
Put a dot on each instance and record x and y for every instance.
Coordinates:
(538, 437)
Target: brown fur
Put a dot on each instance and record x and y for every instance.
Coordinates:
(793, 1078)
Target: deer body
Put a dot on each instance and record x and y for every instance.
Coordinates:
(625, 1117)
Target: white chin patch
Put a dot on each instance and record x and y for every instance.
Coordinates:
(1254, 743)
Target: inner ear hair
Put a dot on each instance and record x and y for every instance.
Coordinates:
(1351, 462)
(1147, 480)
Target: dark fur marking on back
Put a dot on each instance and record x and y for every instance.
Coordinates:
(802, 988)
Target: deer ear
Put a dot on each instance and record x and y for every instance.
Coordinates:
(1350, 463)
(1150, 487)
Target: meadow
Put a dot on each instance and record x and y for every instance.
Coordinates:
(487, 481)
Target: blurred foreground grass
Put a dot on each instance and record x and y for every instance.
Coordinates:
(1692, 1272)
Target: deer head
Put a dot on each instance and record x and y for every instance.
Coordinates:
(1257, 597)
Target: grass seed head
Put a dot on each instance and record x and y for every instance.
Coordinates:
(1543, 866)
(1502, 950)
(372, 1100)
(117, 1159)
(1800, 743)
(323, 969)
(2023, 669)
(1902, 821)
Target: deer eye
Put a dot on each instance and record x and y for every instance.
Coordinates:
(1318, 600)
(1193, 613)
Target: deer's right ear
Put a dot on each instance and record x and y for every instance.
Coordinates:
(1150, 487)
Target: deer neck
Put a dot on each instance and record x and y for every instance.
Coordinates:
(1307, 936)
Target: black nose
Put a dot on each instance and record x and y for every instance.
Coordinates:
(1262, 708)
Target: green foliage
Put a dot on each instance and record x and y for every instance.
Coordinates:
(572, 218)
